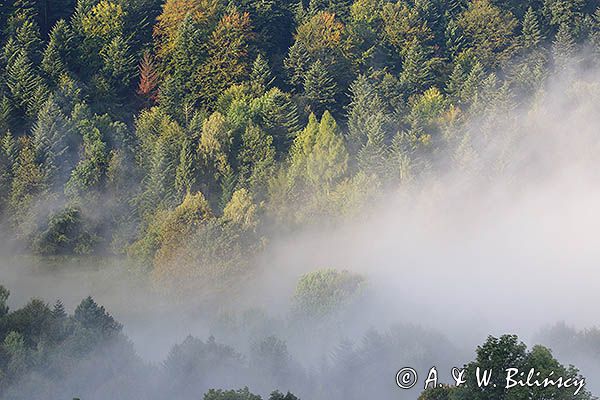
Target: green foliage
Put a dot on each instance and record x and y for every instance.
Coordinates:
(26, 87)
(319, 88)
(261, 75)
(499, 354)
(95, 318)
(324, 292)
(4, 294)
(530, 31)
(490, 30)
(241, 394)
(318, 155)
(66, 232)
(228, 55)
(256, 159)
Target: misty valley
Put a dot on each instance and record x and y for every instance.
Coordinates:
(299, 199)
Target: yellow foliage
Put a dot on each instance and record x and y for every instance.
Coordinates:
(402, 24)
(180, 223)
(322, 31)
(215, 142)
(240, 209)
(105, 20)
(173, 14)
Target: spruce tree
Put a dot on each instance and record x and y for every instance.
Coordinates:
(367, 122)
(564, 49)
(27, 185)
(531, 35)
(328, 159)
(416, 73)
(5, 113)
(261, 76)
(256, 158)
(149, 78)
(320, 88)
(26, 87)
(185, 175)
(55, 144)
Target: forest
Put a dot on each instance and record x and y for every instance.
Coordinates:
(187, 139)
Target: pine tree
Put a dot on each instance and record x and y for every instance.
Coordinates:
(185, 175)
(58, 310)
(54, 143)
(456, 81)
(118, 70)
(301, 149)
(472, 84)
(261, 76)
(319, 88)
(328, 159)
(6, 175)
(416, 73)
(531, 35)
(28, 39)
(367, 123)
(160, 191)
(59, 52)
(256, 158)
(147, 86)
(564, 49)
(27, 88)
(455, 38)
(228, 60)
(27, 185)
(10, 149)
(52, 63)
(5, 113)
(95, 318)
(297, 63)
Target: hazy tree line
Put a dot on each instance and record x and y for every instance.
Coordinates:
(45, 352)
(186, 130)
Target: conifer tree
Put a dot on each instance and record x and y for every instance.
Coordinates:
(228, 60)
(53, 63)
(564, 48)
(320, 88)
(328, 159)
(416, 73)
(148, 84)
(261, 76)
(456, 81)
(5, 113)
(472, 84)
(531, 35)
(54, 143)
(27, 185)
(185, 175)
(90, 174)
(27, 37)
(256, 158)
(367, 123)
(26, 87)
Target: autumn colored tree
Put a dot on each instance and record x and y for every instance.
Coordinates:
(149, 78)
